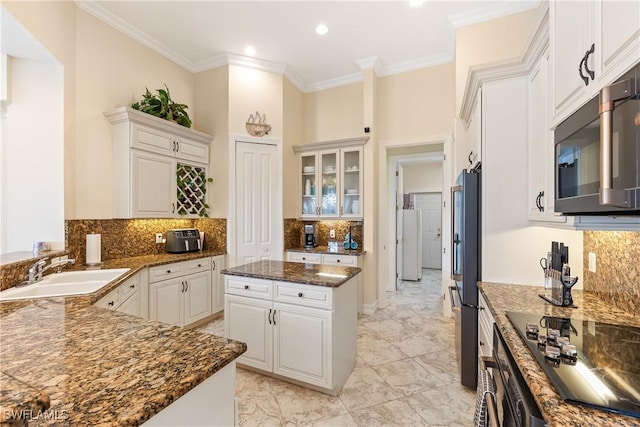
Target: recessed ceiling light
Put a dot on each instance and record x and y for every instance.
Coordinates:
(416, 3)
(249, 50)
(322, 29)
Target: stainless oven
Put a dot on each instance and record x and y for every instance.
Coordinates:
(514, 405)
(597, 153)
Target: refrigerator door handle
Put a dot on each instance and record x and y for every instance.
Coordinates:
(452, 300)
(454, 241)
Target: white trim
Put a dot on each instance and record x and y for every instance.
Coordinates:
(370, 309)
(535, 46)
(334, 82)
(231, 214)
(327, 145)
(491, 12)
(415, 64)
(372, 62)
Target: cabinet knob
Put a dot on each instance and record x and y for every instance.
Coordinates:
(111, 303)
(246, 286)
(304, 258)
(300, 294)
(337, 260)
(132, 286)
(481, 344)
(199, 265)
(168, 271)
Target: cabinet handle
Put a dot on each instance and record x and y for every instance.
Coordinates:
(174, 146)
(539, 201)
(584, 78)
(592, 49)
(110, 303)
(300, 295)
(246, 286)
(341, 210)
(269, 317)
(178, 145)
(173, 208)
(481, 344)
(213, 264)
(182, 290)
(274, 316)
(132, 286)
(186, 286)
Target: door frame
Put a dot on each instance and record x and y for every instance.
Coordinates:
(395, 161)
(431, 192)
(234, 139)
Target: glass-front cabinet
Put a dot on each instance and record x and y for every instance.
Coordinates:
(331, 180)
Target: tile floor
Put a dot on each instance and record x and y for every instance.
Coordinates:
(405, 374)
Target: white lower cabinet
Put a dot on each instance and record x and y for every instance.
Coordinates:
(291, 329)
(333, 259)
(485, 328)
(126, 298)
(185, 296)
(217, 283)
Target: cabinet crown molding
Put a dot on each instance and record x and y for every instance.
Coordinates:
(337, 143)
(128, 114)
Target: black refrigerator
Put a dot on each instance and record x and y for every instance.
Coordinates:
(465, 270)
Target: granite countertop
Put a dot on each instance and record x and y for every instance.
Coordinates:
(84, 365)
(502, 298)
(325, 250)
(296, 272)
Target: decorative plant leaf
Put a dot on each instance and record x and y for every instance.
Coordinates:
(163, 106)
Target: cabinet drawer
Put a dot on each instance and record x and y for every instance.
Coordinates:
(348, 260)
(254, 288)
(196, 265)
(304, 257)
(154, 140)
(306, 295)
(111, 300)
(167, 271)
(128, 288)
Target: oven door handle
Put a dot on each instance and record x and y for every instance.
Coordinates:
(489, 396)
(610, 196)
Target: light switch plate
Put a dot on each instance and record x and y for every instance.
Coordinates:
(158, 237)
(592, 262)
(332, 234)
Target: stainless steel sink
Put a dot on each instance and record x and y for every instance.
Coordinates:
(63, 284)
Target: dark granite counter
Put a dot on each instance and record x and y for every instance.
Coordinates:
(505, 297)
(77, 364)
(325, 250)
(296, 272)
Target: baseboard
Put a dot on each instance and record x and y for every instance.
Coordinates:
(370, 309)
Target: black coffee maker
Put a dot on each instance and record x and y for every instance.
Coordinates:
(309, 236)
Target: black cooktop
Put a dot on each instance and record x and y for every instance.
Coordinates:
(589, 363)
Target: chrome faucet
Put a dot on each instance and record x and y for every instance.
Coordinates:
(37, 269)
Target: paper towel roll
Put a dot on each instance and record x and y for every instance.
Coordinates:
(93, 249)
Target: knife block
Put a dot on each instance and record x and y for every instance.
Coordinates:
(560, 289)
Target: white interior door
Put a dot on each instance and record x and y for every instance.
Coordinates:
(430, 204)
(257, 197)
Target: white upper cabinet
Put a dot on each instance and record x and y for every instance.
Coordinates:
(159, 167)
(592, 43)
(331, 179)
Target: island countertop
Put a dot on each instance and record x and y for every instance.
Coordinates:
(78, 364)
(295, 272)
(502, 298)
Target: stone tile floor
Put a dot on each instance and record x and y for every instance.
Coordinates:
(405, 374)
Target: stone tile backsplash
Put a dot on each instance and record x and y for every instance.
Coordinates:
(617, 276)
(294, 232)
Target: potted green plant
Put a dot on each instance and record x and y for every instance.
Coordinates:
(161, 105)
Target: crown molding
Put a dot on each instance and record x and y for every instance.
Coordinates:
(504, 8)
(337, 143)
(535, 47)
(335, 82)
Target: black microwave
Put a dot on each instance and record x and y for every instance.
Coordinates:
(597, 153)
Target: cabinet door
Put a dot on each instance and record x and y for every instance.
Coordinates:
(619, 37)
(191, 190)
(352, 182)
(330, 166)
(152, 140)
(197, 297)
(194, 151)
(217, 283)
(302, 344)
(153, 185)
(249, 320)
(309, 185)
(131, 306)
(165, 301)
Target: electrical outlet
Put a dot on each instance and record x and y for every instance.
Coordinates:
(158, 237)
(332, 234)
(592, 262)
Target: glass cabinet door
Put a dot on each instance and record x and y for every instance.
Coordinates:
(329, 201)
(309, 173)
(352, 182)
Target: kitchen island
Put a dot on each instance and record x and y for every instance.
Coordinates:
(502, 298)
(299, 320)
(65, 361)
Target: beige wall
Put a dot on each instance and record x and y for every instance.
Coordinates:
(293, 134)
(422, 177)
(334, 113)
(112, 70)
(417, 106)
(212, 116)
(490, 42)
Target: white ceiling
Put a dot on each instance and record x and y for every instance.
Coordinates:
(391, 36)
